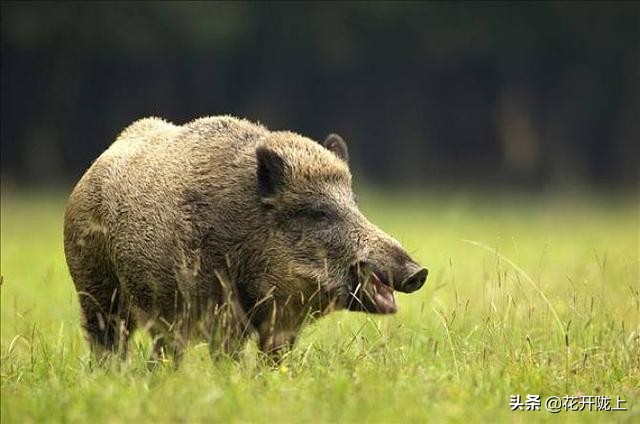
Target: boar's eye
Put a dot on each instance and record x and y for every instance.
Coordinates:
(317, 214)
(312, 213)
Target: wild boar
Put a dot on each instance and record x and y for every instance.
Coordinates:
(220, 229)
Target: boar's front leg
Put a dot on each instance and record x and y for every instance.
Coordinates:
(275, 344)
(230, 329)
(278, 332)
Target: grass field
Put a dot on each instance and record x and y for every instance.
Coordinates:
(526, 295)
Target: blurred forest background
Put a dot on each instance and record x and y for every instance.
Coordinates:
(528, 94)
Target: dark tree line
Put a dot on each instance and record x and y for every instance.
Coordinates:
(537, 93)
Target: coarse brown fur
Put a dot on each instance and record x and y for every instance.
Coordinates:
(218, 229)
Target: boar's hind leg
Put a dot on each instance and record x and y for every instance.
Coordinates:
(108, 321)
(107, 316)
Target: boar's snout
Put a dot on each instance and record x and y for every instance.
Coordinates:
(387, 268)
(414, 280)
(372, 288)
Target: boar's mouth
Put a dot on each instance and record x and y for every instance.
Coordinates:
(369, 291)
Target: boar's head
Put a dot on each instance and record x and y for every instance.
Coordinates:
(320, 246)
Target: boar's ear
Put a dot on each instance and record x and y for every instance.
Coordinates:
(336, 144)
(271, 171)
